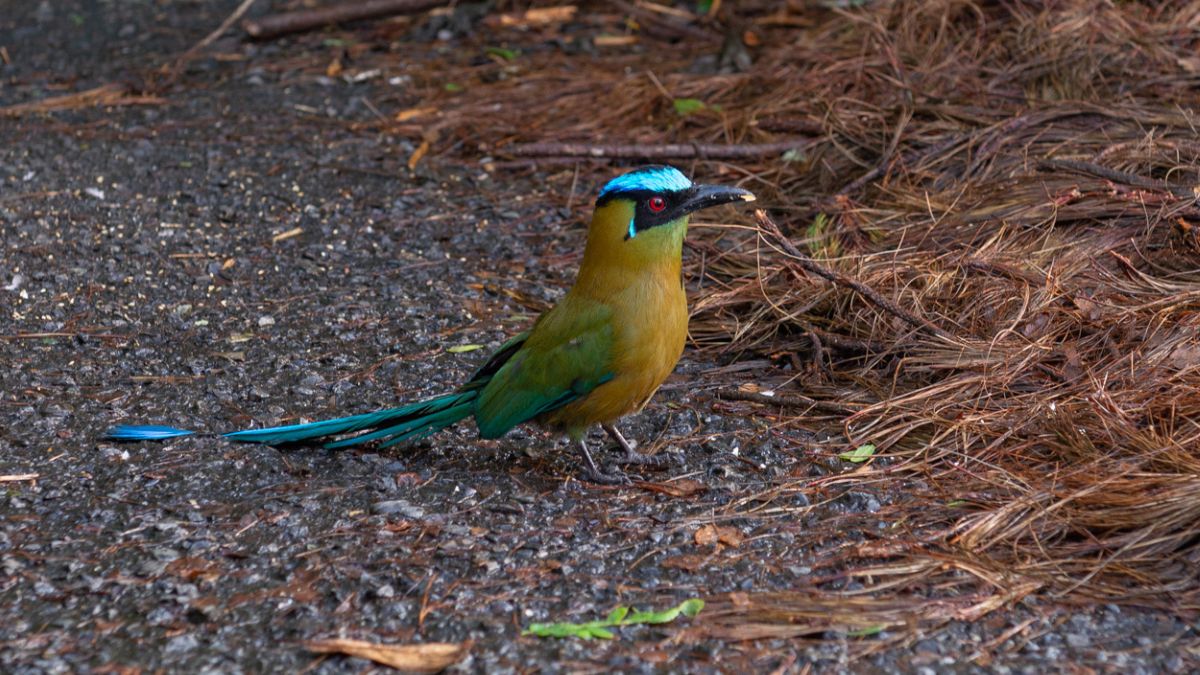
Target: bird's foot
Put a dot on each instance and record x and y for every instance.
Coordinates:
(659, 460)
(632, 456)
(613, 477)
(594, 474)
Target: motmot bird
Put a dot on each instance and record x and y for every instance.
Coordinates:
(596, 356)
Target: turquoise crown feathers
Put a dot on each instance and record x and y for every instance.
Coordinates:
(646, 179)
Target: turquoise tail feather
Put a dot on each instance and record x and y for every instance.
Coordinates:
(415, 420)
(152, 432)
(411, 421)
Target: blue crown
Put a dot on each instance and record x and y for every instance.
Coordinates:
(647, 178)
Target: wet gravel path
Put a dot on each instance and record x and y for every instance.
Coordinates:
(239, 256)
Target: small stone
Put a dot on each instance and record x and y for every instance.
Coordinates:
(385, 591)
(1078, 640)
(150, 568)
(400, 506)
(264, 321)
(182, 643)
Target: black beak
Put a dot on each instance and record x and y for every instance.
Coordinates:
(704, 196)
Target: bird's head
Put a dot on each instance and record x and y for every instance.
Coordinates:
(644, 213)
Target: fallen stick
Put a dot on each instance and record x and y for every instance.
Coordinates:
(307, 19)
(104, 95)
(871, 295)
(211, 37)
(1115, 176)
(790, 401)
(666, 28)
(668, 151)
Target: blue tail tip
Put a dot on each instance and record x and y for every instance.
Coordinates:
(145, 433)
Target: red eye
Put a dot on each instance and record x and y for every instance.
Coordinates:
(656, 204)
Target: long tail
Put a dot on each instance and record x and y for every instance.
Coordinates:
(393, 426)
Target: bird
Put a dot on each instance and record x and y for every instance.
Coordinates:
(598, 355)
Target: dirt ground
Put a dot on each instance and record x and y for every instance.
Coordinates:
(238, 253)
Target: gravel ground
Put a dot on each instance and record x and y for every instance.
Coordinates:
(237, 256)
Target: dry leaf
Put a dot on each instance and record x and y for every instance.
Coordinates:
(286, 235)
(424, 657)
(334, 68)
(711, 535)
(191, 569)
(540, 16)
(411, 113)
(415, 158)
(684, 487)
(614, 40)
(688, 562)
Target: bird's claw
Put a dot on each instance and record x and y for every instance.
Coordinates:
(595, 474)
(613, 477)
(660, 460)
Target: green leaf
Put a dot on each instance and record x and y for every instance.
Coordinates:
(506, 54)
(817, 229)
(793, 155)
(822, 243)
(687, 106)
(691, 608)
(860, 454)
(704, 6)
(462, 349)
(956, 503)
(687, 608)
(453, 88)
(586, 631)
(619, 616)
(334, 42)
(866, 632)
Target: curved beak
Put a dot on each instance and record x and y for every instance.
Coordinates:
(705, 196)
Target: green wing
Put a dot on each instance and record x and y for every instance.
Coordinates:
(495, 362)
(566, 355)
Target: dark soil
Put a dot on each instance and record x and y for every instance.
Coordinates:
(144, 281)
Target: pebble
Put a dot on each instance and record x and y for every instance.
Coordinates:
(400, 506)
(1078, 640)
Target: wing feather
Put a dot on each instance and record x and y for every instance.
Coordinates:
(566, 355)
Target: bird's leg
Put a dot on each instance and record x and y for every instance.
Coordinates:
(632, 456)
(593, 472)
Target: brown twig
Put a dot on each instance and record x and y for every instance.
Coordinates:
(59, 334)
(655, 24)
(871, 295)
(308, 19)
(885, 164)
(790, 401)
(1115, 176)
(669, 151)
(190, 54)
(103, 95)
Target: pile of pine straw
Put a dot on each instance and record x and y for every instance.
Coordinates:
(1020, 180)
